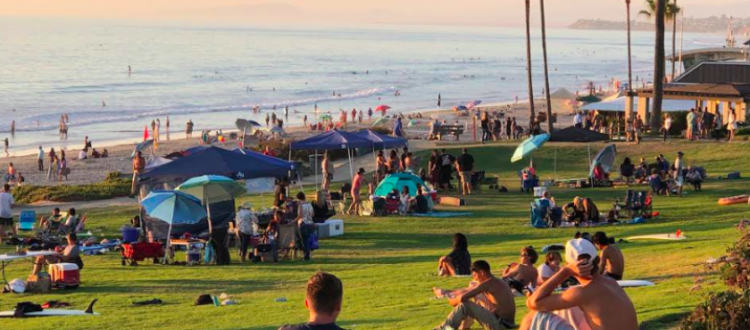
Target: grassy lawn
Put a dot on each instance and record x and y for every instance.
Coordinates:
(388, 265)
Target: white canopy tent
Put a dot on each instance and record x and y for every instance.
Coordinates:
(618, 105)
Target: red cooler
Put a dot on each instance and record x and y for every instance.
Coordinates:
(65, 275)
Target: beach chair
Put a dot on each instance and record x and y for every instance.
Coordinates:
(287, 241)
(544, 216)
(26, 220)
(637, 204)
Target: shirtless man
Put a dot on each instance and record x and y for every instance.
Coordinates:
(604, 304)
(612, 262)
(501, 312)
(327, 167)
(520, 275)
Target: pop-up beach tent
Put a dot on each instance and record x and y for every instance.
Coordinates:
(332, 140)
(382, 141)
(398, 181)
(218, 161)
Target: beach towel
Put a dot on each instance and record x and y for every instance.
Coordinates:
(441, 214)
(567, 319)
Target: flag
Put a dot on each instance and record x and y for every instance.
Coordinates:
(439, 100)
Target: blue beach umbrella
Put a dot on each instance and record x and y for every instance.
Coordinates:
(605, 157)
(173, 207)
(212, 188)
(528, 146)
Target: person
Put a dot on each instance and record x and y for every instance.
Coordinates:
(71, 223)
(356, 206)
(731, 127)
(139, 164)
(279, 195)
(405, 160)
(446, 160)
(53, 222)
(10, 176)
(582, 209)
(95, 154)
(398, 130)
(600, 175)
(522, 274)
(658, 185)
(404, 204)
(63, 169)
(105, 153)
(6, 147)
(247, 228)
(40, 159)
(679, 178)
(466, 170)
(611, 260)
(71, 254)
(637, 128)
(381, 166)
(690, 121)
(83, 154)
(327, 167)
(6, 213)
(458, 262)
(603, 303)
(305, 214)
(550, 266)
(485, 122)
(270, 236)
(369, 114)
(578, 120)
(267, 151)
(323, 299)
(189, 129)
(667, 126)
(394, 164)
(627, 170)
(13, 127)
(166, 125)
(497, 309)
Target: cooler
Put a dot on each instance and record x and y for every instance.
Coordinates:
(331, 228)
(130, 235)
(65, 275)
(539, 191)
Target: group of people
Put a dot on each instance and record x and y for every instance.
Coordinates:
(663, 178)
(441, 166)
(592, 298)
(702, 124)
(395, 163)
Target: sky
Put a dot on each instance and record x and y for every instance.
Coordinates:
(335, 12)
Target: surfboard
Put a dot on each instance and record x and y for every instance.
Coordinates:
(634, 283)
(668, 237)
(57, 312)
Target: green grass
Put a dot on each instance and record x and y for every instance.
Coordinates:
(388, 265)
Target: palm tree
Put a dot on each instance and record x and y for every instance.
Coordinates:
(670, 14)
(660, 11)
(546, 73)
(528, 64)
(629, 113)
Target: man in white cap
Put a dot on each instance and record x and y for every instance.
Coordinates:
(247, 228)
(604, 304)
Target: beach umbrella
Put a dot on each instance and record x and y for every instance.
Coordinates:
(212, 188)
(605, 157)
(380, 120)
(528, 146)
(277, 129)
(382, 108)
(473, 104)
(246, 124)
(460, 108)
(173, 207)
(325, 116)
(412, 123)
(398, 181)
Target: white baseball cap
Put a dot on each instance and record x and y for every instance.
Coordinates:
(576, 247)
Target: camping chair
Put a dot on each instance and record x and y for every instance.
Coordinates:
(287, 241)
(26, 220)
(544, 216)
(637, 204)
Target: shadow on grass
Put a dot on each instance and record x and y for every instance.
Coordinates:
(667, 321)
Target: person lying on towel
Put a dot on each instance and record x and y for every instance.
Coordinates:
(601, 302)
(488, 300)
(522, 274)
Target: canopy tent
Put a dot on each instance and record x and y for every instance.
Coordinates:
(575, 134)
(382, 141)
(218, 161)
(398, 181)
(156, 162)
(332, 140)
(605, 158)
(618, 105)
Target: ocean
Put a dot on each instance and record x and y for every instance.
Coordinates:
(216, 75)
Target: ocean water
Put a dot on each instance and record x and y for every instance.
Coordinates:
(215, 75)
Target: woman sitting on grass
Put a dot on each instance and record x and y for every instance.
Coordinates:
(582, 209)
(458, 262)
(550, 266)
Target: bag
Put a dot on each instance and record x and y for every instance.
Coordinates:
(265, 248)
(26, 307)
(204, 299)
(41, 283)
(312, 241)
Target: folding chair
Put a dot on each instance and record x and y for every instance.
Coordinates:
(26, 220)
(288, 239)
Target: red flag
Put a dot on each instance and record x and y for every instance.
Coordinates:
(145, 133)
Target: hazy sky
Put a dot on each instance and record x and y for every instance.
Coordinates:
(289, 12)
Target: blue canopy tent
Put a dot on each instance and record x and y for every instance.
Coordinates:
(332, 140)
(382, 141)
(218, 161)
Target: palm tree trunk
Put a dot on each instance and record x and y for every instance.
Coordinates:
(658, 66)
(629, 114)
(528, 64)
(546, 71)
(674, 40)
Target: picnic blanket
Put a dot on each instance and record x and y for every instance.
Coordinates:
(441, 214)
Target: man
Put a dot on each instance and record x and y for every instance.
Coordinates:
(247, 228)
(679, 179)
(404, 157)
(40, 160)
(465, 170)
(578, 120)
(327, 168)
(611, 260)
(189, 129)
(53, 222)
(71, 254)
(324, 298)
(6, 148)
(690, 120)
(500, 309)
(446, 160)
(138, 165)
(522, 274)
(604, 304)
(6, 214)
(369, 114)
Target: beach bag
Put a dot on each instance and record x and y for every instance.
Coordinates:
(209, 255)
(26, 307)
(312, 240)
(204, 299)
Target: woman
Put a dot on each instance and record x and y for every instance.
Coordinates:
(327, 167)
(731, 125)
(356, 199)
(11, 174)
(247, 228)
(637, 127)
(394, 164)
(404, 201)
(550, 266)
(63, 169)
(665, 128)
(305, 214)
(433, 166)
(627, 170)
(381, 165)
(458, 262)
(485, 127)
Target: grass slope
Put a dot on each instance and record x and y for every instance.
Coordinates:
(388, 264)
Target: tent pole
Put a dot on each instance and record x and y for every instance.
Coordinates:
(351, 168)
(208, 212)
(591, 177)
(555, 178)
(169, 241)
(316, 168)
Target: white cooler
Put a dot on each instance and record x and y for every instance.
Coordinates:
(539, 191)
(331, 228)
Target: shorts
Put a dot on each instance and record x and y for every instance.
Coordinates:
(6, 221)
(679, 181)
(465, 177)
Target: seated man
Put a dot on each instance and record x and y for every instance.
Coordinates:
(71, 223)
(95, 154)
(52, 223)
(324, 298)
(658, 185)
(612, 262)
(523, 274)
(71, 254)
(500, 309)
(603, 303)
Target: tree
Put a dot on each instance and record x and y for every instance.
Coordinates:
(670, 14)
(546, 71)
(528, 64)
(629, 114)
(661, 7)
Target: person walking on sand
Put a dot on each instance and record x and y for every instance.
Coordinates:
(6, 147)
(13, 128)
(189, 129)
(361, 114)
(304, 120)
(369, 114)
(167, 126)
(138, 165)
(268, 119)
(158, 128)
(153, 129)
(40, 160)
(354, 115)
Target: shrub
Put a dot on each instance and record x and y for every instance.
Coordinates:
(728, 310)
(735, 271)
(113, 186)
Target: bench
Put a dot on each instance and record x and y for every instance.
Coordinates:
(454, 130)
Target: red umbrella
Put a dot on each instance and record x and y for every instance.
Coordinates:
(382, 107)
(145, 133)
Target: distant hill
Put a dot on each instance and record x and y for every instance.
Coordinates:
(711, 24)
